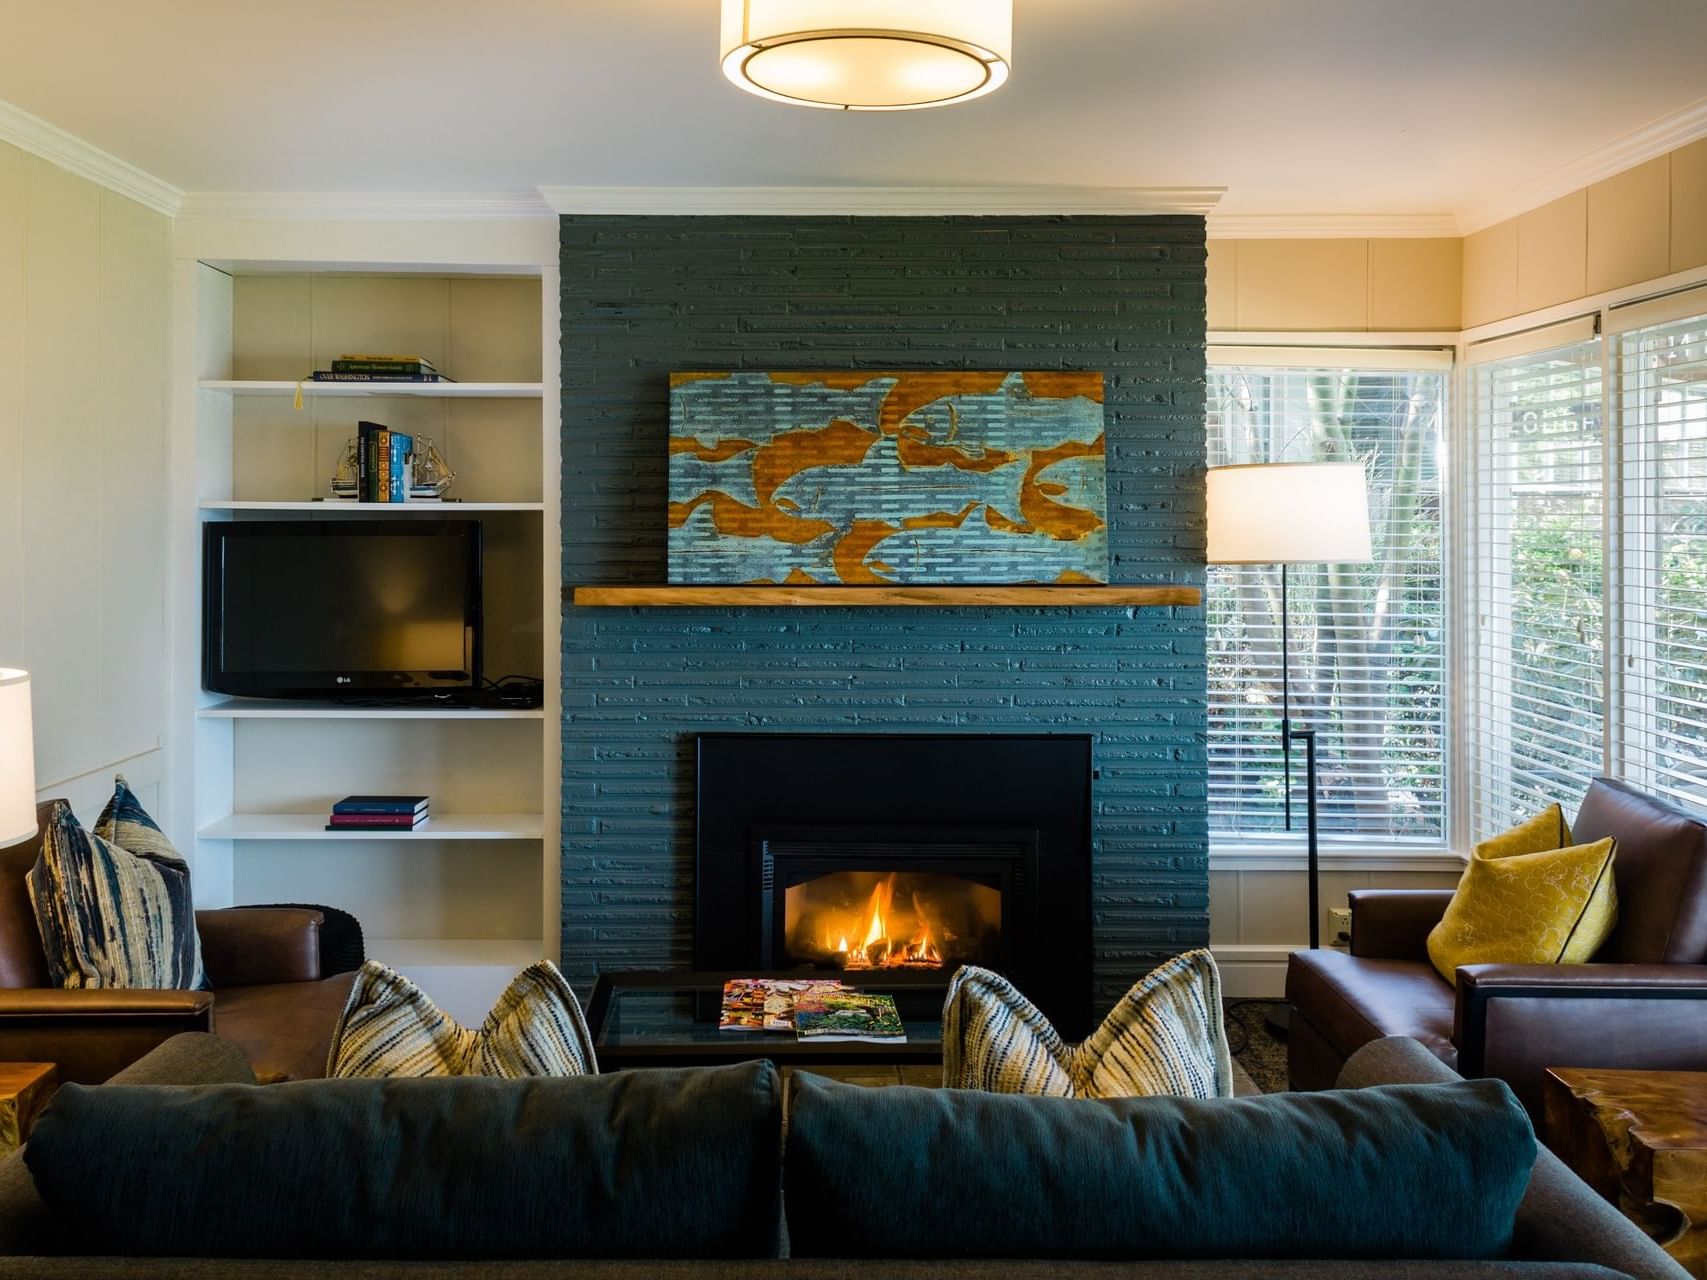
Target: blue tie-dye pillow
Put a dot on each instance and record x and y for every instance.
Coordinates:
(113, 904)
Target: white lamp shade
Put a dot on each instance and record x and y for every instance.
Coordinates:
(868, 55)
(17, 759)
(1288, 513)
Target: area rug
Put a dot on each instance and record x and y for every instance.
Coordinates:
(1259, 1051)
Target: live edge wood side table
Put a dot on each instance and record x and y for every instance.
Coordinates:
(1639, 1138)
(25, 1088)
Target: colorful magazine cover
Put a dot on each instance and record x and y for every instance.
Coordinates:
(848, 1015)
(784, 994)
(743, 1005)
(766, 1004)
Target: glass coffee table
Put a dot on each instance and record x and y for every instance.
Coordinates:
(669, 1019)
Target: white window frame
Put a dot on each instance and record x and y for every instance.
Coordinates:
(1679, 295)
(1419, 351)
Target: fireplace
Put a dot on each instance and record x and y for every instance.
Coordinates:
(872, 854)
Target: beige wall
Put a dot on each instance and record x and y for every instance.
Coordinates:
(1647, 222)
(84, 315)
(1350, 285)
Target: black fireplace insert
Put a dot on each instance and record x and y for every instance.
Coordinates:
(853, 853)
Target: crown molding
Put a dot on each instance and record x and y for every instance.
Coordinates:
(393, 206)
(1331, 226)
(881, 201)
(66, 151)
(1647, 143)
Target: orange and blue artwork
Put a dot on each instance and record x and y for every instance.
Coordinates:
(868, 478)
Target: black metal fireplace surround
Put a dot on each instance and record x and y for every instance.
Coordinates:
(862, 854)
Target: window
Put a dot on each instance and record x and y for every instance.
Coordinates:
(1589, 642)
(1367, 641)
(1537, 722)
(1663, 375)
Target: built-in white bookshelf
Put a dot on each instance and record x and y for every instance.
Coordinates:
(463, 902)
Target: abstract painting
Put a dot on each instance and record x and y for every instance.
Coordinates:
(954, 478)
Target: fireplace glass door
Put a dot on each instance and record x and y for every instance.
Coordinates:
(860, 905)
(891, 920)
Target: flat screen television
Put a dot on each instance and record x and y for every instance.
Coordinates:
(345, 609)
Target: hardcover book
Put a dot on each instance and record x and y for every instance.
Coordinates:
(381, 804)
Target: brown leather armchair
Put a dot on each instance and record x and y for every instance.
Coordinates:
(1641, 1002)
(269, 995)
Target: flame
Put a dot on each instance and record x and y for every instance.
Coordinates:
(879, 950)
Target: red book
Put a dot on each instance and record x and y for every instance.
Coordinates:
(384, 821)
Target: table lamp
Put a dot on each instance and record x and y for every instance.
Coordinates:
(1290, 513)
(17, 759)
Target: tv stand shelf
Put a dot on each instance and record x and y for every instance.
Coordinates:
(266, 709)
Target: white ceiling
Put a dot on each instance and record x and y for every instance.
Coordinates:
(1296, 106)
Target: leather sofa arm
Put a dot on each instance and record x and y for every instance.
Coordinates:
(260, 946)
(90, 1034)
(1393, 924)
(1514, 1021)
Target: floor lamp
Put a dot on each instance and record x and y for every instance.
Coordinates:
(1290, 513)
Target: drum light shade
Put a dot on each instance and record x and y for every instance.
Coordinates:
(17, 759)
(1288, 513)
(868, 55)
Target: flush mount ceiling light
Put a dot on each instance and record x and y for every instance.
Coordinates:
(868, 55)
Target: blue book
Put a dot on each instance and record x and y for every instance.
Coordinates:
(401, 466)
(381, 804)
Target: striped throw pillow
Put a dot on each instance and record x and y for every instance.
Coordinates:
(391, 1028)
(113, 904)
(1165, 1037)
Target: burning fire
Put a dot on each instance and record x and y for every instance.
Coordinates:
(876, 948)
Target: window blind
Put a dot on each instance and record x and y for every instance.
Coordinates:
(1367, 641)
(1537, 714)
(1663, 671)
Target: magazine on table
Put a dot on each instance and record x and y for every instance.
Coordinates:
(766, 1004)
(829, 1016)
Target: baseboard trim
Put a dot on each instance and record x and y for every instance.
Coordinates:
(1252, 971)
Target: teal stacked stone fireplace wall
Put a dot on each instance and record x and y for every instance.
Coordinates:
(646, 296)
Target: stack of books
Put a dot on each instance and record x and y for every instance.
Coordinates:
(381, 368)
(385, 463)
(817, 1009)
(378, 813)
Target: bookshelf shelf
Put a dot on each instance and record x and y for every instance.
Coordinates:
(429, 390)
(256, 709)
(334, 507)
(311, 826)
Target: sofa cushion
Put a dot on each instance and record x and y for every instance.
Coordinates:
(1167, 1035)
(1352, 1000)
(1661, 873)
(390, 1027)
(649, 1164)
(285, 1028)
(1403, 1171)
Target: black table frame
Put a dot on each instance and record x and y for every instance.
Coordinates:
(744, 1046)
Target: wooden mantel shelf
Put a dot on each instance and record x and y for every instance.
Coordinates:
(887, 597)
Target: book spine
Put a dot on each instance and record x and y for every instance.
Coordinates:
(378, 811)
(402, 451)
(362, 442)
(326, 375)
(379, 819)
(386, 368)
(382, 465)
(377, 824)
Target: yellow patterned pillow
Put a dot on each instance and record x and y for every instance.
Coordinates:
(1529, 897)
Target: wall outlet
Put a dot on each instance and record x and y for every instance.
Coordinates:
(1339, 926)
